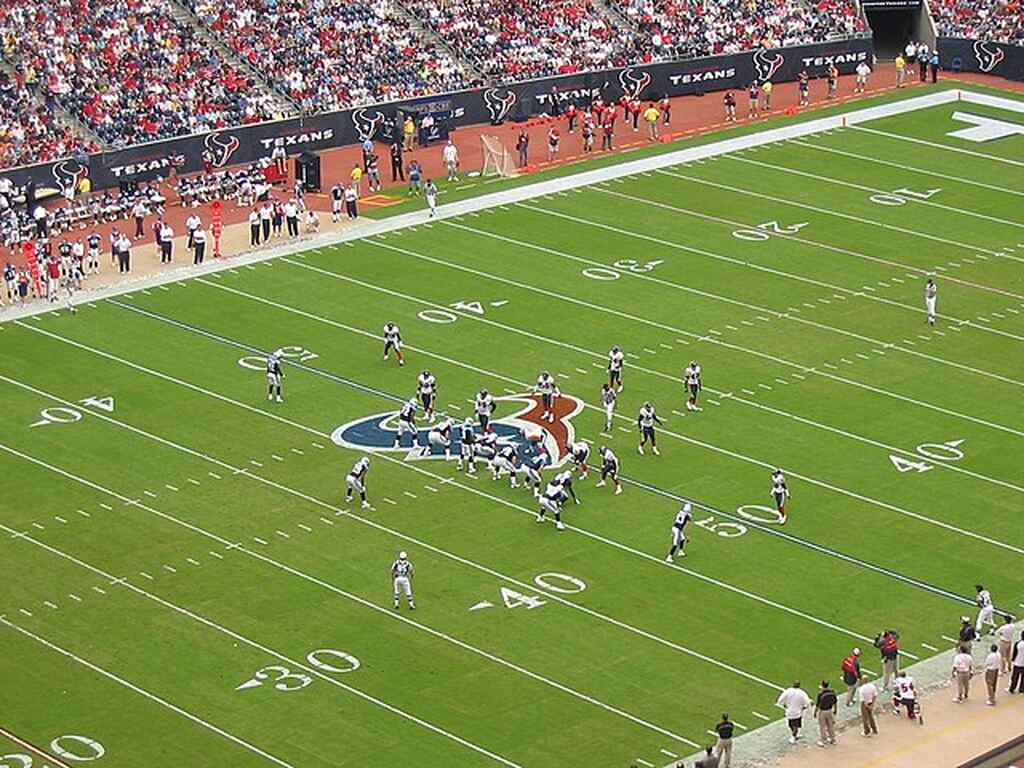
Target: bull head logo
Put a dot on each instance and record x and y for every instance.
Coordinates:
(366, 122)
(222, 146)
(498, 104)
(633, 82)
(68, 174)
(988, 55)
(767, 64)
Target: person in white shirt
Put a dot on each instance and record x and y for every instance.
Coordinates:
(1004, 637)
(910, 52)
(1017, 667)
(931, 292)
(993, 666)
(254, 228)
(166, 243)
(139, 211)
(985, 609)
(794, 700)
(963, 668)
(867, 692)
(863, 70)
(905, 695)
(430, 191)
(192, 224)
(291, 218)
(450, 153)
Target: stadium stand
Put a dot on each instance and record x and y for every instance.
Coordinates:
(30, 132)
(128, 69)
(523, 39)
(690, 28)
(333, 54)
(1000, 21)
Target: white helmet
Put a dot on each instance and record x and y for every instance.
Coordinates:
(687, 507)
(402, 555)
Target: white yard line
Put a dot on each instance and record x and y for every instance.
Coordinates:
(142, 692)
(490, 497)
(939, 145)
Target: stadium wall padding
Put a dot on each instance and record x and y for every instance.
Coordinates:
(246, 144)
(988, 58)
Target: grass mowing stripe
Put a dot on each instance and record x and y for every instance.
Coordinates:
(342, 512)
(874, 190)
(830, 212)
(504, 502)
(788, 537)
(775, 313)
(242, 639)
(902, 167)
(136, 689)
(625, 315)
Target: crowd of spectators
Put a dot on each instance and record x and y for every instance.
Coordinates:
(691, 28)
(128, 68)
(1000, 21)
(29, 130)
(523, 39)
(333, 54)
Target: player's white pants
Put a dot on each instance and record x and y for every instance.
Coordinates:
(531, 474)
(504, 465)
(335, 206)
(678, 537)
(609, 412)
(273, 380)
(405, 428)
(355, 483)
(437, 439)
(548, 505)
(984, 617)
(403, 585)
(930, 306)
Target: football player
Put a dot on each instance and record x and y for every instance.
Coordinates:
(401, 575)
(467, 447)
(985, 610)
(506, 460)
(484, 407)
(356, 481)
(393, 340)
(615, 358)
(487, 446)
(274, 376)
(780, 493)
(683, 518)
(931, 292)
(608, 398)
(645, 422)
(551, 501)
(407, 423)
(564, 480)
(441, 437)
(426, 388)
(609, 468)
(531, 468)
(580, 456)
(548, 391)
(693, 385)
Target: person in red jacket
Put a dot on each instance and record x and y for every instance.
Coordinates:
(851, 674)
(571, 115)
(665, 106)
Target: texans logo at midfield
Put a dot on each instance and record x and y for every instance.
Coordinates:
(67, 174)
(522, 428)
(367, 122)
(222, 146)
(767, 64)
(988, 55)
(499, 105)
(633, 82)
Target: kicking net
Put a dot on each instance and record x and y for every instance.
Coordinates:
(498, 160)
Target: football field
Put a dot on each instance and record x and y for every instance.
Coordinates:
(184, 583)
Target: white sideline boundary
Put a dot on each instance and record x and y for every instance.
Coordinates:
(532, 191)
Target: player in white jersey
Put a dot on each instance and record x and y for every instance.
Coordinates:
(551, 501)
(580, 457)
(609, 468)
(608, 398)
(548, 391)
(426, 388)
(693, 385)
(484, 407)
(780, 492)
(905, 694)
(683, 518)
(487, 446)
(401, 575)
(931, 292)
(356, 481)
(615, 359)
(985, 610)
(274, 376)
(393, 340)
(564, 481)
(467, 447)
(441, 437)
(430, 192)
(506, 460)
(645, 422)
(407, 423)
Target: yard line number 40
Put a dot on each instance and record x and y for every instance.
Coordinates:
(948, 451)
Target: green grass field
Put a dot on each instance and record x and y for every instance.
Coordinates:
(184, 584)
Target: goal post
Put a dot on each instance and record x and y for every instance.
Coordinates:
(498, 160)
